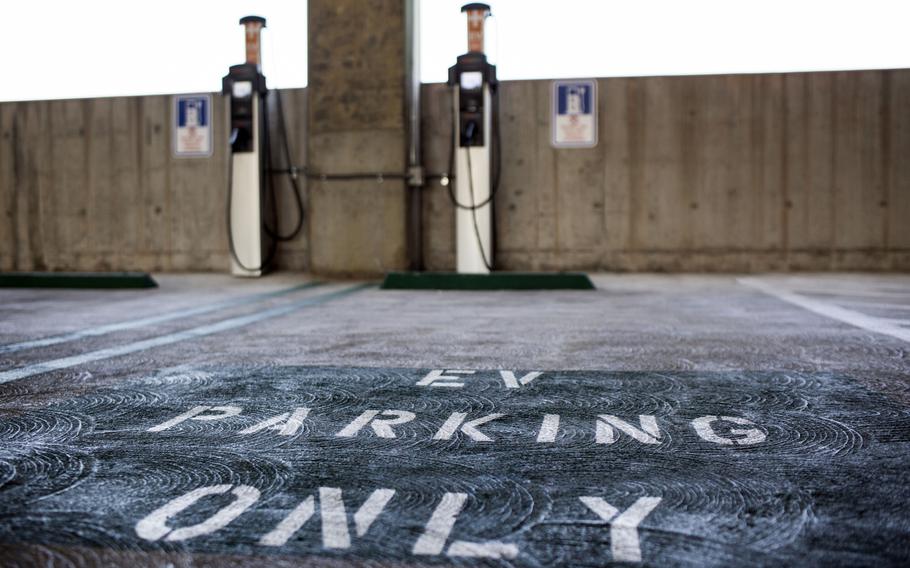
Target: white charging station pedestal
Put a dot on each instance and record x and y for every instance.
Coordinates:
(474, 228)
(246, 203)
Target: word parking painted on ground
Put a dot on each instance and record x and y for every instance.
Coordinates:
(722, 430)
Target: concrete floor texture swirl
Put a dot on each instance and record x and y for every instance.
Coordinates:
(659, 420)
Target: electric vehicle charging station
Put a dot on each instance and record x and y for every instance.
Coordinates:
(473, 80)
(475, 162)
(246, 88)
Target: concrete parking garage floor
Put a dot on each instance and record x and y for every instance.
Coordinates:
(666, 420)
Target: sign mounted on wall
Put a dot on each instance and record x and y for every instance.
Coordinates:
(192, 125)
(574, 119)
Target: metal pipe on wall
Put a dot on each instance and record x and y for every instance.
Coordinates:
(412, 102)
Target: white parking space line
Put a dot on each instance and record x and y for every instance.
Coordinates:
(869, 323)
(854, 292)
(874, 305)
(193, 333)
(151, 320)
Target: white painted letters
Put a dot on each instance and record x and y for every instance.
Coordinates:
(382, 427)
(334, 519)
(382, 422)
(196, 413)
(448, 429)
(335, 532)
(438, 528)
(437, 378)
(154, 525)
(511, 382)
(287, 424)
(549, 428)
(370, 510)
(290, 524)
(440, 525)
(433, 541)
(445, 378)
(747, 437)
(624, 542)
(648, 434)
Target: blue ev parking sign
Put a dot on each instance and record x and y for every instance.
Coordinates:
(193, 125)
(574, 118)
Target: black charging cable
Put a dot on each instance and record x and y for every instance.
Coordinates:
(288, 169)
(497, 158)
(469, 133)
(267, 175)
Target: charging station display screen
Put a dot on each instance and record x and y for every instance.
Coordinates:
(242, 89)
(471, 80)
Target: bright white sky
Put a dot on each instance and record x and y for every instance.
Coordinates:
(88, 48)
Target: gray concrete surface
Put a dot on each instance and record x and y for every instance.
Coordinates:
(93, 185)
(356, 124)
(703, 420)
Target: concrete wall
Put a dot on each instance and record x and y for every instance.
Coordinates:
(357, 125)
(93, 185)
(803, 171)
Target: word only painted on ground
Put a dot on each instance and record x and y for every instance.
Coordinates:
(716, 429)
(434, 540)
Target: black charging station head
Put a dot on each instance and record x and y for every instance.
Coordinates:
(253, 19)
(475, 6)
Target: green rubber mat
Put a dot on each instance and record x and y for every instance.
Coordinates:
(106, 280)
(493, 281)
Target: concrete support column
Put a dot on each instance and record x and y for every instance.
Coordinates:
(357, 125)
